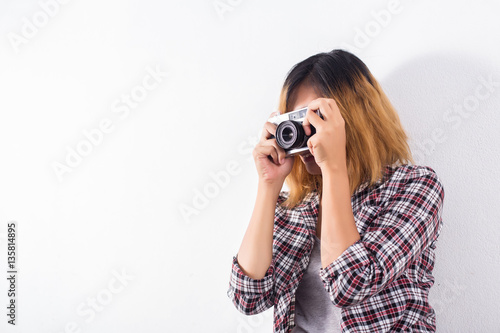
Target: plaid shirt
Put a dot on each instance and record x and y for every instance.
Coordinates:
(381, 282)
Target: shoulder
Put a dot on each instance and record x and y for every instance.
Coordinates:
(407, 173)
(417, 179)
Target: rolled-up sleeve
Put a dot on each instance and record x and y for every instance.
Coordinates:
(405, 226)
(252, 296)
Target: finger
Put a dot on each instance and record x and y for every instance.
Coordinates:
(281, 152)
(310, 145)
(275, 113)
(328, 106)
(268, 131)
(320, 104)
(268, 151)
(311, 119)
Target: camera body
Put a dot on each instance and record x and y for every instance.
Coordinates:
(290, 134)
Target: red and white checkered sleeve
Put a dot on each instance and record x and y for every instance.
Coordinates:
(252, 296)
(407, 223)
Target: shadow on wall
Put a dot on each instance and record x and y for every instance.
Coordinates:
(449, 105)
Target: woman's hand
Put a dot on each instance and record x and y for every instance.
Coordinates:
(328, 144)
(272, 166)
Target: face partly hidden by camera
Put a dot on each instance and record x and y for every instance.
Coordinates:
(290, 133)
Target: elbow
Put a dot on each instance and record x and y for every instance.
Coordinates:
(250, 305)
(352, 288)
(250, 296)
(347, 297)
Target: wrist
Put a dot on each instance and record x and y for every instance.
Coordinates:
(270, 186)
(332, 170)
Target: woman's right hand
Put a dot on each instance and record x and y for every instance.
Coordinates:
(270, 161)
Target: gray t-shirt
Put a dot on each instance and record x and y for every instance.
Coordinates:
(314, 311)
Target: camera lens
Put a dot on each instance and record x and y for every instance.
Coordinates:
(290, 134)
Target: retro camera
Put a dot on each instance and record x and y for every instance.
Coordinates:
(290, 134)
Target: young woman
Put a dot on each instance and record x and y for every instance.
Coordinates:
(350, 248)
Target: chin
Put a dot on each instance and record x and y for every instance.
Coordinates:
(313, 169)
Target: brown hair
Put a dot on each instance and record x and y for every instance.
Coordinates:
(374, 134)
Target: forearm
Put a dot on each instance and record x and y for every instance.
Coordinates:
(338, 227)
(256, 250)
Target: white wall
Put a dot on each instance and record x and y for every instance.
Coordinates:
(218, 77)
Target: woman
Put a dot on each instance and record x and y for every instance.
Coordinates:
(354, 237)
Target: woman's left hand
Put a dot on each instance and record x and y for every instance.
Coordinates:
(328, 144)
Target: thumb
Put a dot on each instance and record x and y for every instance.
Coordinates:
(310, 146)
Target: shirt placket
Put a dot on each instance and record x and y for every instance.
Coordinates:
(310, 226)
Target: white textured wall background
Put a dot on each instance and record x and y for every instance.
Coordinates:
(218, 78)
